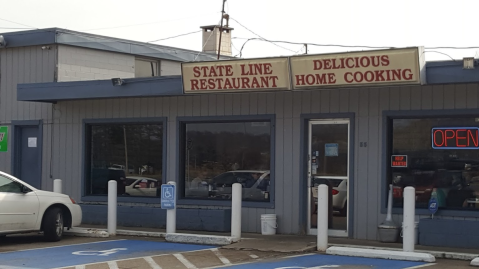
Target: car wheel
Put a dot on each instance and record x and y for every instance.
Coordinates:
(53, 224)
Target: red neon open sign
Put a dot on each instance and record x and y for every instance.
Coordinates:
(455, 138)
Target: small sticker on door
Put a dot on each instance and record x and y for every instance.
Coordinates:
(32, 142)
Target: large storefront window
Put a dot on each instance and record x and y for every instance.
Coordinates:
(217, 155)
(442, 161)
(131, 154)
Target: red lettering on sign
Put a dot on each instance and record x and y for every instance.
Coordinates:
(455, 137)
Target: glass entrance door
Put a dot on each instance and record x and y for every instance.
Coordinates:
(328, 163)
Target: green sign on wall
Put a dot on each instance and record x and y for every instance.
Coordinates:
(3, 138)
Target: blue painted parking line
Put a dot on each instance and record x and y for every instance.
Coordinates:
(64, 256)
(317, 261)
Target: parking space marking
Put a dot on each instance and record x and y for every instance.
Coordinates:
(29, 249)
(152, 263)
(220, 256)
(80, 267)
(184, 261)
(63, 257)
(316, 261)
(112, 265)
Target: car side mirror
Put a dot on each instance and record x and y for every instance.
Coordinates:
(136, 186)
(24, 189)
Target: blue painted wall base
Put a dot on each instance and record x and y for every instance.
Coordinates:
(213, 220)
(448, 233)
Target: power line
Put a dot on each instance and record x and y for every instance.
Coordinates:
(140, 24)
(175, 36)
(345, 46)
(31, 27)
(16, 28)
(259, 35)
(439, 53)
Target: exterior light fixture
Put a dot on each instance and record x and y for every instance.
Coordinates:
(468, 63)
(117, 81)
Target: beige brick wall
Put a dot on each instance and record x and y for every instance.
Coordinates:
(76, 64)
(170, 68)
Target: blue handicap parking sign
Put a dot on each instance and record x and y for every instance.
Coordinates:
(432, 205)
(167, 196)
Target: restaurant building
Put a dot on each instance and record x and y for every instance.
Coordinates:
(358, 121)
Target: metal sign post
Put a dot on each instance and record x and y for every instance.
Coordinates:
(168, 202)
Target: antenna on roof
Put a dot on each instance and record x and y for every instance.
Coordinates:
(223, 16)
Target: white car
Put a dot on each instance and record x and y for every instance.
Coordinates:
(340, 195)
(141, 186)
(24, 208)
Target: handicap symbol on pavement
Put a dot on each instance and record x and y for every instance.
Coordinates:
(98, 252)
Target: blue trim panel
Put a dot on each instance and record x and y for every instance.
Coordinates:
(30, 38)
(448, 72)
(96, 89)
(14, 148)
(415, 114)
(303, 176)
(180, 121)
(85, 149)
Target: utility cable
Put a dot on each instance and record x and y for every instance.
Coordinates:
(264, 39)
(140, 24)
(31, 27)
(174, 36)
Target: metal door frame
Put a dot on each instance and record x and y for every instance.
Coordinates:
(331, 232)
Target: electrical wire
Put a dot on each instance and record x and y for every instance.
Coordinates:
(259, 35)
(16, 28)
(31, 27)
(140, 24)
(439, 53)
(175, 36)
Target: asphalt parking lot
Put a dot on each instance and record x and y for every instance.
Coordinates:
(125, 252)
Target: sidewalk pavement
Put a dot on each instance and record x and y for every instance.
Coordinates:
(296, 243)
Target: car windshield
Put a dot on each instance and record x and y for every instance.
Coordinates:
(130, 181)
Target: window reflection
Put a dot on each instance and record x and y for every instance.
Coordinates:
(217, 155)
(450, 175)
(130, 154)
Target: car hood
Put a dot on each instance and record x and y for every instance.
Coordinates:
(50, 194)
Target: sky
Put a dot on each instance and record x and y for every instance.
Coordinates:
(373, 23)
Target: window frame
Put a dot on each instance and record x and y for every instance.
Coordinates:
(387, 116)
(181, 124)
(150, 60)
(86, 148)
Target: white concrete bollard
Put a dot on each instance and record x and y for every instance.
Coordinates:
(57, 185)
(112, 207)
(322, 223)
(408, 219)
(171, 214)
(236, 200)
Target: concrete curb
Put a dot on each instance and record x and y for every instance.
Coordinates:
(436, 254)
(381, 254)
(87, 232)
(200, 239)
(140, 233)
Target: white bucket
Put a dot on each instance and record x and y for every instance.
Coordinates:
(268, 224)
